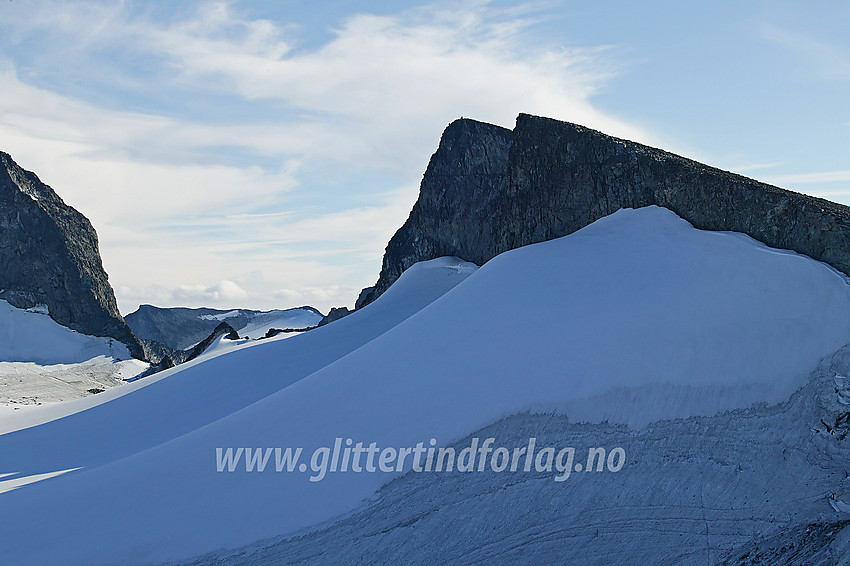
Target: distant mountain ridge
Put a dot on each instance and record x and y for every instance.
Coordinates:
(164, 357)
(488, 189)
(181, 328)
(49, 256)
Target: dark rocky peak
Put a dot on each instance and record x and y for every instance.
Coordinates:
(49, 255)
(223, 329)
(335, 314)
(164, 356)
(488, 190)
(466, 174)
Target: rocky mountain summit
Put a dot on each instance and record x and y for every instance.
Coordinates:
(49, 256)
(488, 189)
(335, 314)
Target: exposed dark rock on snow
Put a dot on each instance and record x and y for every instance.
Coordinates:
(363, 297)
(180, 328)
(221, 330)
(165, 363)
(826, 542)
(272, 332)
(335, 314)
(156, 352)
(49, 255)
(166, 357)
(488, 190)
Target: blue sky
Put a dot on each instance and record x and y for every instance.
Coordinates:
(261, 154)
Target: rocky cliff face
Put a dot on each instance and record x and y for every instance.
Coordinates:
(488, 190)
(49, 255)
(459, 202)
(335, 314)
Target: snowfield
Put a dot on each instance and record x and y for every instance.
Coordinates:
(658, 336)
(262, 323)
(32, 336)
(42, 361)
(762, 483)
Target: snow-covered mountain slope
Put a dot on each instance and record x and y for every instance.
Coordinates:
(636, 318)
(181, 328)
(262, 322)
(42, 361)
(32, 336)
(201, 394)
(753, 483)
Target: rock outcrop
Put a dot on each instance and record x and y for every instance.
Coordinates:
(180, 328)
(455, 212)
(223, 329)
(164, 356)
(488, 190)
(49, 256)
(157, 353)
(335, 313)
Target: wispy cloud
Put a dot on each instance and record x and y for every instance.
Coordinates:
(825, 59)
(748, 167)
(200, 140)
(222, 292)
(382, 80)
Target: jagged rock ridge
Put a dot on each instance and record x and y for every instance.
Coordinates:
(335, 314)
(164, 357)
(180, 328)
(49, 255)
(488, 190)
(454, 215)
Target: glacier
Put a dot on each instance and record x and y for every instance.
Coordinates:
(709, 356)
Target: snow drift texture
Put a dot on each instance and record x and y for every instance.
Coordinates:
(636, 318)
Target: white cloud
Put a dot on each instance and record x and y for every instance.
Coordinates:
(381, 79)
(185, 201)
(144, 164)
(331, 296)
(379, 92)
(223, 291)
(826, 60)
